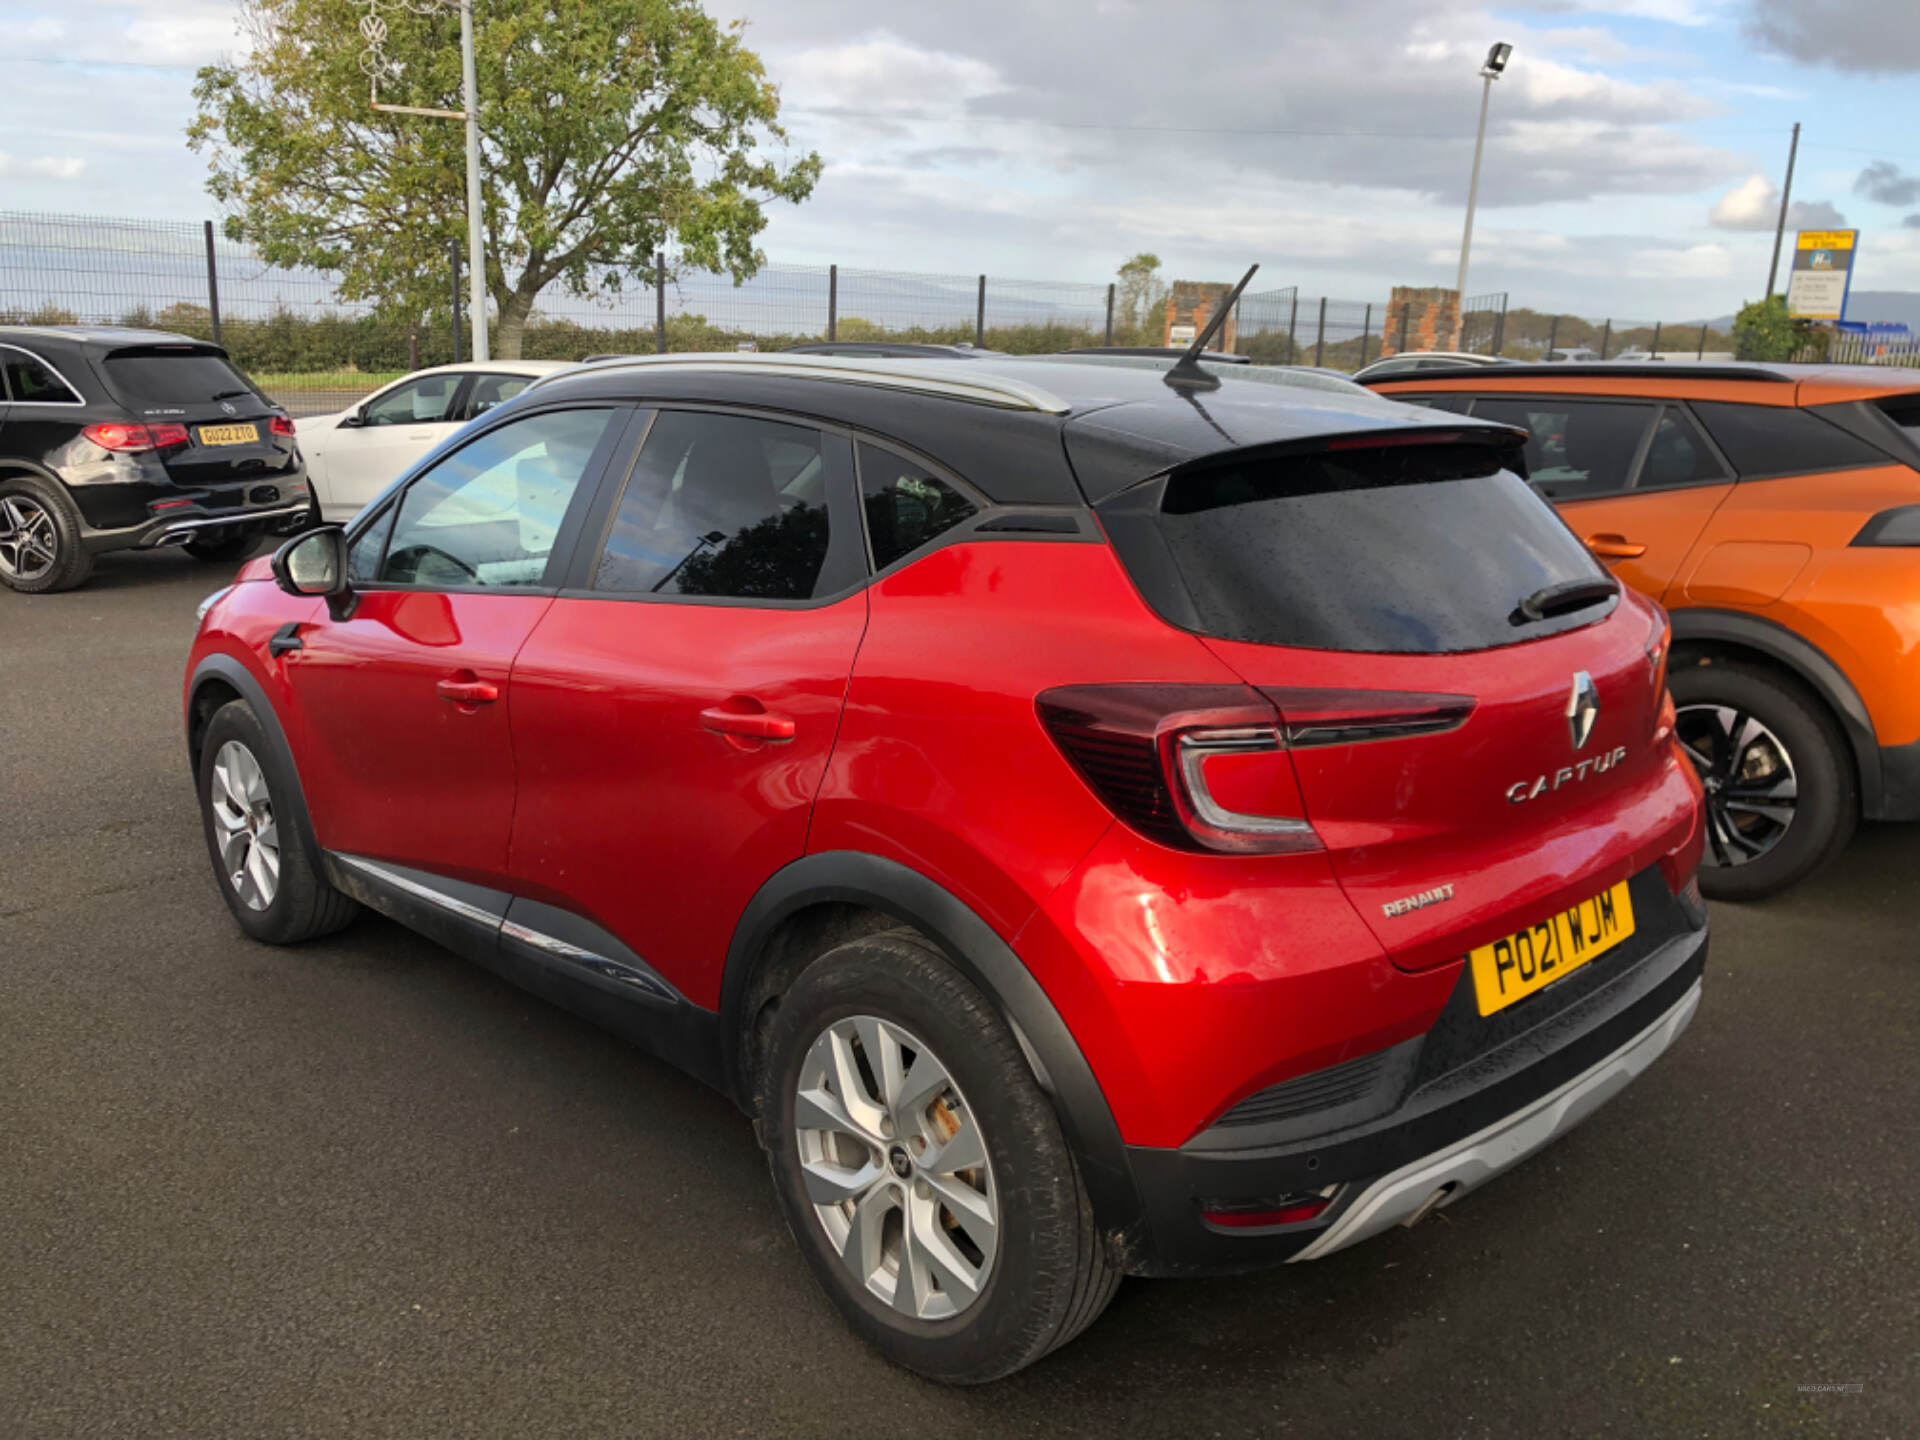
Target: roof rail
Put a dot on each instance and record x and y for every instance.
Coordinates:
(1590, 370)
(953, 380)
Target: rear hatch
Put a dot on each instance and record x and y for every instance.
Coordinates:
(1468, 701)
(232, 445)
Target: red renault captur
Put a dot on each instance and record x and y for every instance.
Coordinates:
(1097, 818)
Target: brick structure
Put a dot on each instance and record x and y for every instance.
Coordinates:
(1191, 303)
(1432, 319)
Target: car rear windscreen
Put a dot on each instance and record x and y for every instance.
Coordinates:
(1404, 550)
(174, 377)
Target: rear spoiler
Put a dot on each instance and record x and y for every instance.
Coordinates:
(1506, 445)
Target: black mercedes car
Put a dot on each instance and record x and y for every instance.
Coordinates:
(117, 439)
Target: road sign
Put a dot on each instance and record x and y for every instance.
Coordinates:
(1822, 273)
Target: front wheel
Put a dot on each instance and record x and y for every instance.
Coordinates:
(1781, 799)
(921, 1169)
(270, 876)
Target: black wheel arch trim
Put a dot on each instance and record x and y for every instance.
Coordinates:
(1807, 663)
(229, 671)
(978, 952)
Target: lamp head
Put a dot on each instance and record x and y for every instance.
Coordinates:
(1496, 60)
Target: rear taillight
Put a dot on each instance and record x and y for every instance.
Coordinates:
(126, 439)
(1658, 652)
(1344, 717)
(281, 425)
(1194, 767)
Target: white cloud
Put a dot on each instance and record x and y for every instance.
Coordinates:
(1754, 204)
(884, 73)
(46, 167)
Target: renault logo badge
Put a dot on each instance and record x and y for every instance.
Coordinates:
(1583, 708)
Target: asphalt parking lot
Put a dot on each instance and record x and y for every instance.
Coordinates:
(366, 1188)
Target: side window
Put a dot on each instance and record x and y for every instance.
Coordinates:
(1780, 440)
(721, 505)
(487, 514)
(32, 382)
(1679, 454)
(491, 390)
(905, 505)
(418, 402)
(363, 556)
(1577, 447)
(1452, 402)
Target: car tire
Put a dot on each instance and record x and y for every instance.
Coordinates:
(35, 515)
(224, 545)
(1759, 737)
(264, 859)
(1047, 1275)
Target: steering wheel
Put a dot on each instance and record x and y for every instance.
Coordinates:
(410, 561)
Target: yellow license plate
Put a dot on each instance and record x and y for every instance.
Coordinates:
(229, 434)
(1513, 968)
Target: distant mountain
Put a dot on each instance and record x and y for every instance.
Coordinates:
(1902, 307)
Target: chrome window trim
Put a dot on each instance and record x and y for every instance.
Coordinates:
(72, 389)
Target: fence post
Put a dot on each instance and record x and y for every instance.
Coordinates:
(1606, 334)
(1109, 339)
(453, 271)
(1320, 340)
(1701, 353)
(833, 302)
(1654, 349)
(213, 286)
(1293, 323)
(660, 301)
(1500, 325)
(1553, 334)
(980, 317)
(1366, 329)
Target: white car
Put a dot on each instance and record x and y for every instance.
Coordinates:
(354, 455)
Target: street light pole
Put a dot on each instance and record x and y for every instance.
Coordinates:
(1786, 194)
(476, 249)
(1489, 72)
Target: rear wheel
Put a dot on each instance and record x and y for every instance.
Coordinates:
(270, 877)
(1780, 794)
(40, 538)
(223, 544)
(921, 1170)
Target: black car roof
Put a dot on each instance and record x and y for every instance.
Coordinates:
(108, 337)
(1005, 423)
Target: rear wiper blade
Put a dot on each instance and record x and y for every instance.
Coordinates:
(1559, 599)
(231, 394)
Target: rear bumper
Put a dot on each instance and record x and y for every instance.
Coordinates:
(180, 526)
(1436, 1125)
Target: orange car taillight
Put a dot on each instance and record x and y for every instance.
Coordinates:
(1194, 767)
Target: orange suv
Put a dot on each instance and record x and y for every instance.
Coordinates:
(1775, 510)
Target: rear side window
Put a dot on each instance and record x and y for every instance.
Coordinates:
(906, 505)
(1679, 455)
(491, 390)
(1440, 400)
(31, 381)
(1578, 447)
(724, 506)
(1408, 550)
(143, 378)
(1780, 440)
(1904, 411)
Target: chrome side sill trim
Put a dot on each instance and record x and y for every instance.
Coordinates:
(1424, 1185)
(649, 985)
(486, 919)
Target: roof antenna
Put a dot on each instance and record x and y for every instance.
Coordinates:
(1186, 370)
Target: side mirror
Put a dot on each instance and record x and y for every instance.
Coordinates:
(354, 419)
(315, 564)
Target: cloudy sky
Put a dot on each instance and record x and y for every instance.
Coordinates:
(1633, 160)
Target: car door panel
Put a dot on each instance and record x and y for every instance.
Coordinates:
(360, 461)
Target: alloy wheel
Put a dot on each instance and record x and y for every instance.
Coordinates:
(1748, 776)
(243, 816)
(29, 544)
(895, 1164)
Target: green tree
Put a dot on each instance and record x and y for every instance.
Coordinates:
(1764, 331)
(1139, 302)
(608, 131)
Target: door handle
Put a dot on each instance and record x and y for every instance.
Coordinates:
(755, 724)
(1615, 547)
(469, 692)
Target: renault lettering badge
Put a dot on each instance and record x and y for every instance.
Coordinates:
(1583, 708)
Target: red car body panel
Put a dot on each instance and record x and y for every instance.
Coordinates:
(393, 768)
(636, 814)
